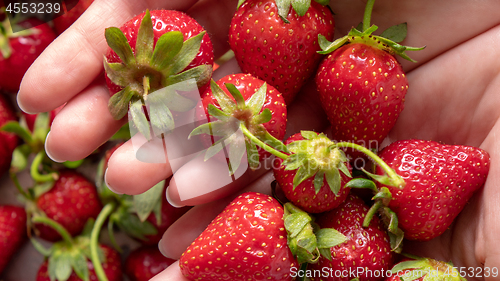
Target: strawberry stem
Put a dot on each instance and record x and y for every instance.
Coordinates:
(35, 174)
(56, 226)
(373, 210)
(368, 14)
(395, 179)
(264, 146)
(23, 192)
(94, 240)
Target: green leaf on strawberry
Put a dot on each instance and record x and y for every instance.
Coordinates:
(426, 268)
(151, 68)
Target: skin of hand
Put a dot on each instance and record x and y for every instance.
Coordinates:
(452, 98)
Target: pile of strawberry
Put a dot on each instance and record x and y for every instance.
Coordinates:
(419, 186)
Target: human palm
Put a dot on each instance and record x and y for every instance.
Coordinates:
(452, 98)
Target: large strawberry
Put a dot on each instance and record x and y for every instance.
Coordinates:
(362, 86)
(314, 176)
(440, 179)
(367, 248)
(278, 44)
(20, 49)
(8, 141)
(255, 238)
(145, 262)
(69, 14)
(152, 51)
(243, 102)
(246, 241)
(12, 232)
(71, 200)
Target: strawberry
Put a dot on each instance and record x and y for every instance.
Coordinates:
(111, 265)
(241, 100)
(247, 241)
(424, 269)
(145, 262)
(366, 250)
(278, 44)
(12, 232)
(317, 186)
(20, 49)
(71, 201)
(142, 59)
(69, 14)
(440, 179)
(362, 86)
(8, 141)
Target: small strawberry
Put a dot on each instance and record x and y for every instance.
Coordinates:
(367, 248)
(423, 269)
(152, 51)
(69, 16)
(8, 141)
(278, 44)
(440, 179)
(255, 238)
(20, 49)
(314, 176)
(71, 200)
(77, 258)
(12, 232)
(145, 262)
(243, 102)
(362, 86)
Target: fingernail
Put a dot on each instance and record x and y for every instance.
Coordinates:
(47, 151)
(170, 200)
(20, 104)
(161, 249)
(107, 183)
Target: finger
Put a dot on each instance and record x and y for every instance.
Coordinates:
(81, 126)
(187, 228)
(127, 175)
(171, 273)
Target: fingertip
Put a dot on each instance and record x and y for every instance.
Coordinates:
(110, 187)
(49, 152)
(173, 200)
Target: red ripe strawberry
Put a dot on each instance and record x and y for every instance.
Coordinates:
(250, 102)
(145, 262)
(321, 187)
(440, 179)
(142, 59)
(8, 141)
(367, 248)
(362, 90)
(68, 17)
(362, 86)
(71, 202)
(284, 54)
(111, 265)
(12, 232)
(247, 241)
(21, 50)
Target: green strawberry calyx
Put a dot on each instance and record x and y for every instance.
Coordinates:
(239, 115)
(299, 6)
(388, 41)
(151, 68)
(306, 241)
(427, 268)
(68, 255)
(317, 156)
